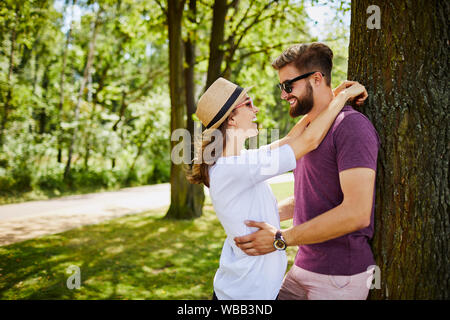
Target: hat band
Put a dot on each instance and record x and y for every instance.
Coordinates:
(225, 107)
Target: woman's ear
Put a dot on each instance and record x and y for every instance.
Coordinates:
(231, 122)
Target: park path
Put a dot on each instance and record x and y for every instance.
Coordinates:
(27, 220)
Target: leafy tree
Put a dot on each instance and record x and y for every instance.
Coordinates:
(85, 86)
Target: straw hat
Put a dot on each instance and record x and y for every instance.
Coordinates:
(217, 103)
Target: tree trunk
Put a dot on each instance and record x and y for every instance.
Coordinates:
(180, 208)
(6, 105)
(90, 125)
(61, 86)
(86, 74)
(196, 194)
(404, 66)
(216, 53)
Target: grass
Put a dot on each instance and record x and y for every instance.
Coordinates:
(141, 256)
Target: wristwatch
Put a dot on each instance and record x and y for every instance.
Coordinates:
(279, 242)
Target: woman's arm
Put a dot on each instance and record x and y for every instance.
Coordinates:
(286, 208)
(311, 137)
(300, 126)
(295, 132)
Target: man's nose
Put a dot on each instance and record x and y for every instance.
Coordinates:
(283, 95)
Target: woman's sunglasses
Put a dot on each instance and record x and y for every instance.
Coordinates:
(287, 85)
(247, 103)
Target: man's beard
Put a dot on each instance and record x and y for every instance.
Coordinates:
(304, 104)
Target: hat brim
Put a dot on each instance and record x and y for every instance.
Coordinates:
(218, 123)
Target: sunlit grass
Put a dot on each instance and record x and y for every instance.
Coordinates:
(139, 256)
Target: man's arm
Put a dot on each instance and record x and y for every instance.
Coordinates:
(352, 214)
(286, 208)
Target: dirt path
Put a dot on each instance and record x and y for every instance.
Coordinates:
(22, 221)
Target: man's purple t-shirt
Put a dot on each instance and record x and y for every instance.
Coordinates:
(351, 142)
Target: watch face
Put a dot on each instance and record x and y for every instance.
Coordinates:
(279, 244)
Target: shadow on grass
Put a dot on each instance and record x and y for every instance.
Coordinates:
(134, 257)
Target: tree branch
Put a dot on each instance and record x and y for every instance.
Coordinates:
(256, 20)
(264, 49)
(162, 7)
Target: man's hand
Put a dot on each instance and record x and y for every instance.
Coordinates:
(259, 242)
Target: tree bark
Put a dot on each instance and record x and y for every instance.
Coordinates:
(180, 208)
(404, 66)
(216, 53)
(196, 194)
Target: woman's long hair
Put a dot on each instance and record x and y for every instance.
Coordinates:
(198, 172)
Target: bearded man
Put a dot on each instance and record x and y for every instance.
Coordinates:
(334, 190)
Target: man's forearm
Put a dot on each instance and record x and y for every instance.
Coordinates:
(354, 213)
(329, 225)
(286, 208)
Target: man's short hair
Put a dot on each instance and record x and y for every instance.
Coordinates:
(315, 56)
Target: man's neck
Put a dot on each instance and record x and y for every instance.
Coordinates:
(321, 102)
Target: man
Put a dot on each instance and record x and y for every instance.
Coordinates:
(333, 203)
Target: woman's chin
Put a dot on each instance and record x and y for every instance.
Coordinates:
(254, 133)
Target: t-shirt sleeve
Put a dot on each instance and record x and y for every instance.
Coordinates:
(357, 143)
(267, 163)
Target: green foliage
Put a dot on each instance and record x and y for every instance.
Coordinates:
(124, 115)
(123, 126)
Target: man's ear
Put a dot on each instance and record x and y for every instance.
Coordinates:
(317, 79)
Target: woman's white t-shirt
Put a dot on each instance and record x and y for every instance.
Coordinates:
(239, 192)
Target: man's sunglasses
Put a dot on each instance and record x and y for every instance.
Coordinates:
(287, 85)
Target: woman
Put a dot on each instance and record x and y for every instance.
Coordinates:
(236, 180)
